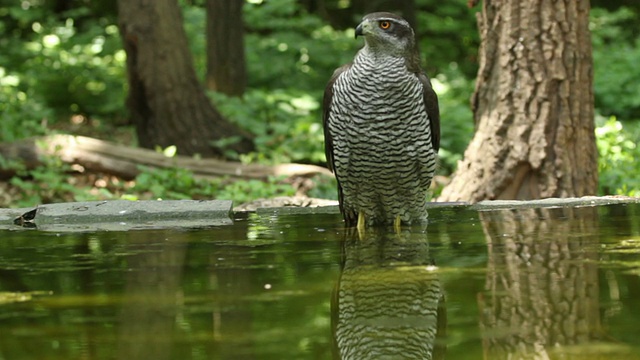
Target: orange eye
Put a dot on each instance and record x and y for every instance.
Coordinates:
(384, 25)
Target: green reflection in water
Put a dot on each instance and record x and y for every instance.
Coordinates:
(534, 283)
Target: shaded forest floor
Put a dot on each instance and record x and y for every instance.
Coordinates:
(56, 178)
(17, 192)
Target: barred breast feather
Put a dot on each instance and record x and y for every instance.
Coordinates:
(382, 139)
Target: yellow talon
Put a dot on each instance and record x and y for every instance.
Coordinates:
(396, 224)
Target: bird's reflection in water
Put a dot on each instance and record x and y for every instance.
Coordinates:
(388, 302)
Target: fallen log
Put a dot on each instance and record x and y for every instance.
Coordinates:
(125, 162)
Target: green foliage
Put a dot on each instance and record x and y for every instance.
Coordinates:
(248, 190)
(172, 184)
(177, 183)
(293, 49)
(616, 54)
(53, 182)
(456, 118)
(448, 36)
(46, 183)
(325, 187)
(618, 154)
(20, 111)
(287, 125)
(67, 67)
(287, 48)
(88, 69)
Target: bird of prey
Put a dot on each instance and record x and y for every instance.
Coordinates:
(382, 127)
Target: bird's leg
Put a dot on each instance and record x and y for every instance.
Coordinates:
(396, 224)
(360, 225)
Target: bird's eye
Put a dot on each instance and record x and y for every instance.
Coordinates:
(385, 25)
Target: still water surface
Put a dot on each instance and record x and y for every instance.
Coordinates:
(559, 283)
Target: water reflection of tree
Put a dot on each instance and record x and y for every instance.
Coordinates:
(388, 302)
(153, 289)
(542, 281)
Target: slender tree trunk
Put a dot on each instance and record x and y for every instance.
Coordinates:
(533, 105)
(166, 102)
(226, 68)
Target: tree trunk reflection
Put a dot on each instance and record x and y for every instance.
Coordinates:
(542, 281)
(153, 294)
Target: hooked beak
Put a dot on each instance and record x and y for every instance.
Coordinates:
(359, 31)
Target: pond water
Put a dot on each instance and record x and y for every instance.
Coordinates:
(551, 283)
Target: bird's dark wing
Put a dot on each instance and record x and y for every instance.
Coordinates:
(326, 111)
(433, 110)
(350, 219)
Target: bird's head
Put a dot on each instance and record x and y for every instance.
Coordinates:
(387, 33)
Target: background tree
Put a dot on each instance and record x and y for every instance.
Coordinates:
(166, 102)
(226, 68)
(533, 105)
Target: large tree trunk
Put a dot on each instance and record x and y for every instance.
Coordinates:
(167, 103)
(533, 105)
(226, 70)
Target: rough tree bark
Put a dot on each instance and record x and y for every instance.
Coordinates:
(166, 102)
(533, 105)
(226, 68)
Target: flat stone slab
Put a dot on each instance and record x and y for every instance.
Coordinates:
(121, 215)
(553, 202)
(333, 209)
(297, 210)
(486, 205)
